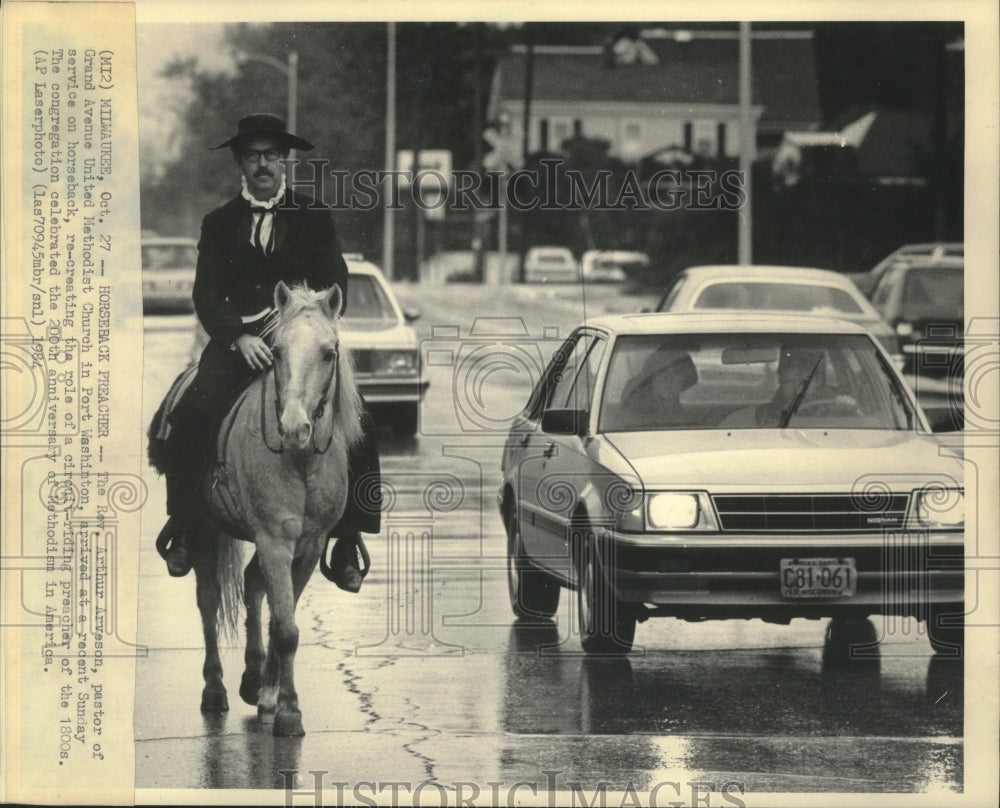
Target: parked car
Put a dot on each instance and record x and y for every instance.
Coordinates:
(776, 288)
(550, 265)
(611, 266)
(168, 267)
(383, 348)
(934, 252)
(679, 465)
(924, 303)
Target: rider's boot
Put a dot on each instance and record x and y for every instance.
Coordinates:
(363, 512)
(186, 452)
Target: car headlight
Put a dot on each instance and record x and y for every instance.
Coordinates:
(397, 362)
(671, 510)
(940, 507)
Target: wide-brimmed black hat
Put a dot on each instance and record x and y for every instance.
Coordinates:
(264, 123)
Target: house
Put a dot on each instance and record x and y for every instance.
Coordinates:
(660, 91)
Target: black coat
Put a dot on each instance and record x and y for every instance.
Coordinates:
(234, 280)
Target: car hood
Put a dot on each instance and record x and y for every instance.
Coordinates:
(791, 459)
(377, 334)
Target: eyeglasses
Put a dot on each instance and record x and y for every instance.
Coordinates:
(254, 155)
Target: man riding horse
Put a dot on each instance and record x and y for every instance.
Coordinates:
(266, 234)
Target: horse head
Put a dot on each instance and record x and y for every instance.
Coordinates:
(307, 362)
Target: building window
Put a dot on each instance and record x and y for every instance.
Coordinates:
(543, 134)
(633, 131)
(721, 140)
(688, 137)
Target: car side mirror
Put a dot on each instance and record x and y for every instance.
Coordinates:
(411, 314)
(565, 422)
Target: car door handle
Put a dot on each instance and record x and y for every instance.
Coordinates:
(550, 449)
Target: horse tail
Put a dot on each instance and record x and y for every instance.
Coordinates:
(229, 574)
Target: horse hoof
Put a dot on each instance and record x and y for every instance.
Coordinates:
(250, 687)
(288, 725)
(214, 702)
(265, 715)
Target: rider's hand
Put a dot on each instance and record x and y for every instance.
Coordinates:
(254, 351)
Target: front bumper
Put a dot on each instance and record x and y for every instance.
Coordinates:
(734, 575)
(381, 390)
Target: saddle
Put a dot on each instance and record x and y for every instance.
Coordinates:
(159, 427)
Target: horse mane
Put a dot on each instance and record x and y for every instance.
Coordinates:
(303, 300)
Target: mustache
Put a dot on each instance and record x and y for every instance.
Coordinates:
(262, 172)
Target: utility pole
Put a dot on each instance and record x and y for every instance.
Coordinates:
(529, 78)
(478, 246)
(747, 148)
(388, 221)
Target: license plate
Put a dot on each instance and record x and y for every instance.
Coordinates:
(818, 577)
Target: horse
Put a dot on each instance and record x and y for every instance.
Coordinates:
(280, 482)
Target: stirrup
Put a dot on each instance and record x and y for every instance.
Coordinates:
(345, 572)
(173, 549)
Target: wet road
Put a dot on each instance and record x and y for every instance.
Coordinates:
(425, 677)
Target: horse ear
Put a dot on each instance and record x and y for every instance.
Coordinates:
(334, 300)
(282, 295)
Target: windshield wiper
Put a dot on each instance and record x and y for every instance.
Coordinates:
(789, 411)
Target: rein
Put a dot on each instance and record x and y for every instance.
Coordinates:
(318, 412)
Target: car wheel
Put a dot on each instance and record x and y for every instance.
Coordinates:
(850, 640)
(533, 594)
(404, 420)
(607, 626)
(946, 630)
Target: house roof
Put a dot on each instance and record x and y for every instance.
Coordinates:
(701, 70)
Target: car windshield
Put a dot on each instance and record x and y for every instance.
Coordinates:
(169, 256)
(751, 381)
(776, 296)
(367, 300)
(933, 292)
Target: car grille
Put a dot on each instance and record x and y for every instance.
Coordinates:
(780, 513)
(364, 361)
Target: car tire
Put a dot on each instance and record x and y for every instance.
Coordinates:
(533, 593)
(606, 624)
(850, 641)
(404, 420)
(946, 630)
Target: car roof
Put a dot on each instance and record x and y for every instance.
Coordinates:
(357, 266)
(165, 241)
(925, 262)
(763, 272)
(733, 322)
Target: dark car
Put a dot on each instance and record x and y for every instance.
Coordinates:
(924, 304)
(932, 252)
(168, 269)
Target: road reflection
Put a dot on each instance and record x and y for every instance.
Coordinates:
(551, 689)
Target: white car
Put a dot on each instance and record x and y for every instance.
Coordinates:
(611, 266)
(686, 466)
(384, 348)
(550, 265)
(729, 287)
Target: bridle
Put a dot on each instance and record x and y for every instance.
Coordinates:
(331, 387)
